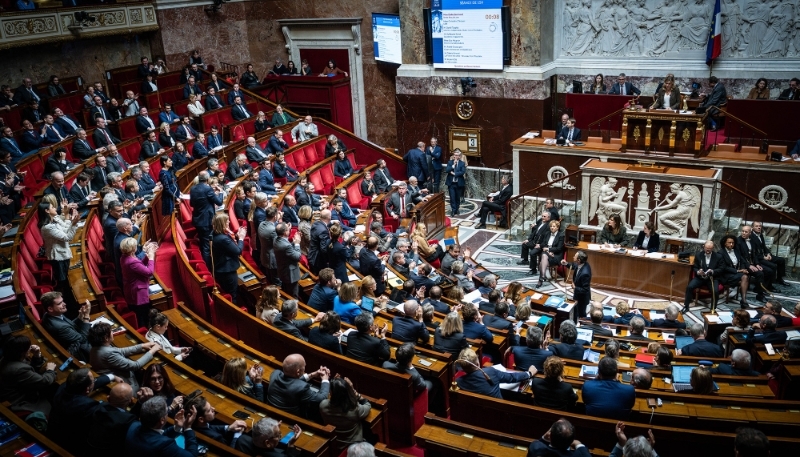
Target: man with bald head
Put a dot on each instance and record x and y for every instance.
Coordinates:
(641, 379)
(320, 240)
(126, 228)
(58, 189)
(111, 420)
(410, 327)
(707, 271)
(290, 390)
(768, 334)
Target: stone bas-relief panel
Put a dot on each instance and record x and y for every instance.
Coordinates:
(668, 28)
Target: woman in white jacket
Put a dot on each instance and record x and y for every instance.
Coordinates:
(57, 233)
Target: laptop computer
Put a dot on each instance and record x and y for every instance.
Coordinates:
(682, 377)
(367, 304)
(585, 335)
(682, 341)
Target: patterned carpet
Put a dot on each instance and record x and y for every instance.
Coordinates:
(494, 250)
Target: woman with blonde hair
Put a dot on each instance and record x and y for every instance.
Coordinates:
(428, 252)
(514, 294)
(226, 247)
(449, 337)
(236, 376)
(268, 306)
(165, 138)
(136, 275)
(304, 227)
(456, 294)
(196, 109)
(523, 313)
(262, 123)
(368, 288)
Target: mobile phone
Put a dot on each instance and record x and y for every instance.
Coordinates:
(601, 343)
(65, 365)
(652, 403)
(241, 415)
(626, 376)
(288, 437)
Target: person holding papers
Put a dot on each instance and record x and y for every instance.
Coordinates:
(582, 282)
(487, 380)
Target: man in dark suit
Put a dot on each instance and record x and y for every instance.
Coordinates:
(110, 421)
(214, 138)
(239, 110)
(382, 178)
(81, 192)
(370, 264)
(775, 309)
(404, 356)
(636, 331)
(10, 145)
(146, 68)
(455, 171)
(67, 124)
(81, 148)
(700, 347)
(596, 315)
(740, 365)
(53, 132)
(71, 334)
(416, 164)
(324, 291)
(150, 147)
(558, 442)
(570, 133)
(287, 258)
(290, 211)
(793, 92)
(99, 111)
(199, 149)
(712, 101)
(115, 161)
(409, 328)
(32, 139)
(100, 173)
(152, 436)
(532, 354)
(102, 136)
(191, 88)
(582, 281)
(775, 263)
(320, 240)
(144, 123)
(73, 409)
(31, 113)
(58, 189)
(707, 271)
(290, 390)
(496, 202)
(499, 321)
(769, 334)
(364, 347)
(141, 174)
(433, 156)
(235, 92)
(26, 93)
(607, 397)
(308, 197)
(750, 249)
(400, 203)
(569, 347)
(434, 299)
(287, 321)
(204, 201)
(622, 87)
(238, 168)
(254, 151)
(185, 131)
(421, 279)
(670, 319)
(228, 434)
(213, 101)
(276, 143)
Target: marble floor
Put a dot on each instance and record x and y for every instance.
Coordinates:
(495, 251)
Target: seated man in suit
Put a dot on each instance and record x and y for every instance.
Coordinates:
(111, 420)
(185, 131)
(287, 321)
(238, 168)
(670, 319)
(473, 325)
(496, 202)
(712, 101)
(254, 151)
(283, 170)
(768, 334)
(775, 309)
(707, 268)
(569, 346)
(144, 123)
(150, 147)
(223, 433)
(310, 198)
(400, 203)
(558, 442)
(337, 214)
(213, 101)
(434, 299)
(290, 209)
(276, 143)
(81, 191)
(290, 390)
(152, 436)
(363, 346)
(239, 110)
(533, 353)
(421, 278)
(701, 347)
(381, 178)
(570, 133)
(740, 365)
(67, 124)
(409, 328)
(71, 334)
(596, 316)
(417, 194)
(605, 396)
(168, 116)
(191, 88)
(398, 262)
(493, 296)
(622, 87)
(324, 291)
(486, 381)
(637, 330)
(81, 149)
(499, 320)
(404, 355)
(777, 264)
(102, 136)
(304, 130)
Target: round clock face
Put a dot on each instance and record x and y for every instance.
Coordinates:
(465, 109)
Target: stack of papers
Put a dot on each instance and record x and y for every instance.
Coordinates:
(725, 316)
(473, 297)
(506, 386)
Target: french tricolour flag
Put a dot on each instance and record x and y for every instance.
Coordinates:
(714, 36)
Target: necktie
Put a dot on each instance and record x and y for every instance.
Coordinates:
(121, 163)
(58, 134)
(85, 192)
(108, 138)
(87, 145)
(33, 94)
(569, 137)
(103, 174)
(188, 132)
(403, 206)
(623, 89)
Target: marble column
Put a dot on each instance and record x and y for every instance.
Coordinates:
(412, 31)
(526, 32)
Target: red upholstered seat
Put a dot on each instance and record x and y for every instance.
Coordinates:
(319, 145)
(311, 154)
(300, 160)
(327, 178)
(354, 196)
(316, 179)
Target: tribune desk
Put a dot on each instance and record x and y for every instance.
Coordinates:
(654, 131)
(641, 275)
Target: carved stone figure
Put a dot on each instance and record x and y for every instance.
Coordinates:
(776, 40)
(674, 215)
(731, 22)
(694, 32)
(757, 15)
(586, 30)
(605, 201)
(642, 21)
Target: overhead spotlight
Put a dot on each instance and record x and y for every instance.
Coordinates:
(216, 7)
(466, 85)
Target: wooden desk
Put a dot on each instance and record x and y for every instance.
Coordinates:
(658, 131)
(431, 213)
(446, 437)
(640, 275)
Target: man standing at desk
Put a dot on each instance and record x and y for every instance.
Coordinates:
(456, 169)
(582, 282)
(621, 87)
(717, 98)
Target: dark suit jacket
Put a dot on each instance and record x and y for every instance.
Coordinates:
(554, 394)
(438, 306)
(416, 378)
(674, 99)
(728, 269)
(773, 337)
(239, 112)
(717, 97)
(501, 323)
(409, 330)
(630, 89)
(100, 111)
(81, 149)
(149, 150)
(287, 257)
(370, 264)
(199, 150)
(225, 252)
(476, 331)
(653, 243)
(235, 171)
(318, 248)
(452, 344)
(576, 133)
(100, 139)
(204, 202)
(276, 145)
(583, 278)
(609, 399)
(598, 329)
(754, 255)
(294, 395)
(255, 154)
(367, 348)
(541, 448)
(107, 429)
(525, 356)
(476, 382)
(703, 348)
(99, 178)
(727, 369)
(290, 215)
(365, 190)
(292, 327)
(666, 323)
(321, 298)
(141, 441)
(213, 102)
(417, 165)
(183, 131)
(324, 340)
(382, 179)
(337, 261)
(572, 351)
(394, 206)
(70, 414)
(342, 168)
(458, 177)
(142, 125)
(78, 195)
(117, 163)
